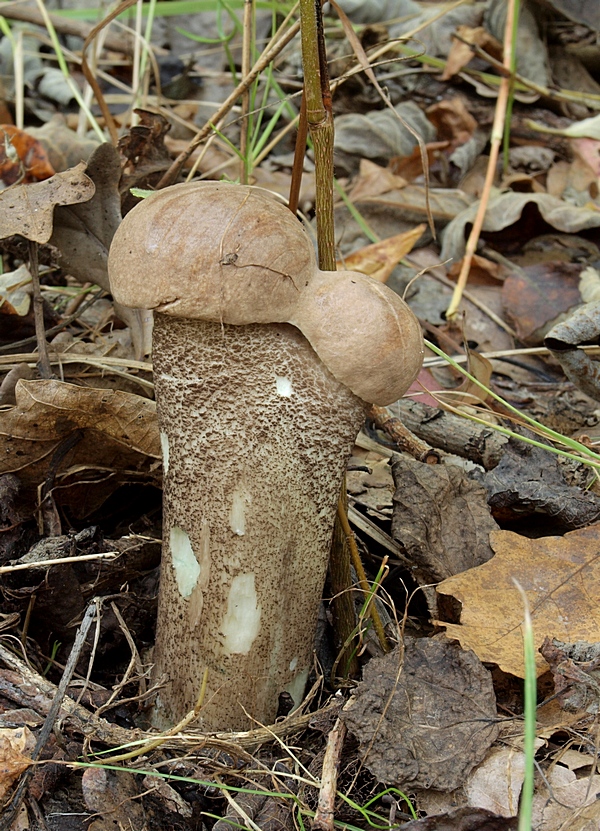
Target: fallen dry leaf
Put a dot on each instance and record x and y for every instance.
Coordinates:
(580, 327)
(64, 147)
(453, 120)
(529, 480)
(83, 230)
(575, 671)
(561, 578)
(461, 52)
(15, 743)
(441, 519)
(535, 296)
(373, 180)
(463, 819)
(87, 440)
(565, 802)
(112, 796)
(506, 210)
(424, 719)
(47, 410)
(496, 783)
(381, 258)
(28, 209)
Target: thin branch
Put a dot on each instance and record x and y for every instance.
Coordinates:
(496, 140)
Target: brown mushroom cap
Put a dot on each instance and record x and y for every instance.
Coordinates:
(364, 333)
(232, 254)
(212, 251)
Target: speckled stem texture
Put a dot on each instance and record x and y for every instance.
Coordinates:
(256, 433)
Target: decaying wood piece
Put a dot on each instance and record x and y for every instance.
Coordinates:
(450, 432)
(404, 438)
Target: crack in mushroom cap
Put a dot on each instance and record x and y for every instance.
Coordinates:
(212, 251)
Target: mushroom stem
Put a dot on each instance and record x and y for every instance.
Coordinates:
(256, 432)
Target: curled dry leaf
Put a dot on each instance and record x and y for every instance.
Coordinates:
(84, 231)
(424, 720)
(506, 210)
(379, 259)
(64, 147)
(464, 819)
(128, 419)
(67, 429)
(530, 480)
(372, 180)
(536, 296)
(28, 209)
(15, 292)
(562, 801)
(586, 12)
(441, 518)
(575, 669)
(564, 338)
(496, 783)
(461, 52)
(380, 134)
(112, 794)
(561, 578)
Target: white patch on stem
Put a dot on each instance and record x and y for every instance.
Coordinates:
(237, 513)
(185, 564)
(241, 623)
(284, 386)
(164, 444)
(296, 687)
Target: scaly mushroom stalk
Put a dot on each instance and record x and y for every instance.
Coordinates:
(257, 418)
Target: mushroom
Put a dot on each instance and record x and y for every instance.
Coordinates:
(263, 366)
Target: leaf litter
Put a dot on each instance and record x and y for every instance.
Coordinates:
(438, 718)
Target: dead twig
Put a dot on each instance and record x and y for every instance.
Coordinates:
(497, 134)
(38, 312)
(325, 813)
(402, 436)
(26, 684)
(10, 811)
(106, 555)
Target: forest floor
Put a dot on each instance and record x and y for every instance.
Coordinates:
(473, 501)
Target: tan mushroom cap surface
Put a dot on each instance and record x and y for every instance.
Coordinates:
(212, 251)
(232, 254)
(364, 333)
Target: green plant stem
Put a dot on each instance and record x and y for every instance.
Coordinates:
(247, 45)
(342, 604)
(530, 707)
(587, 457)
(511, 91)
(265, 59)
(319, 118)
